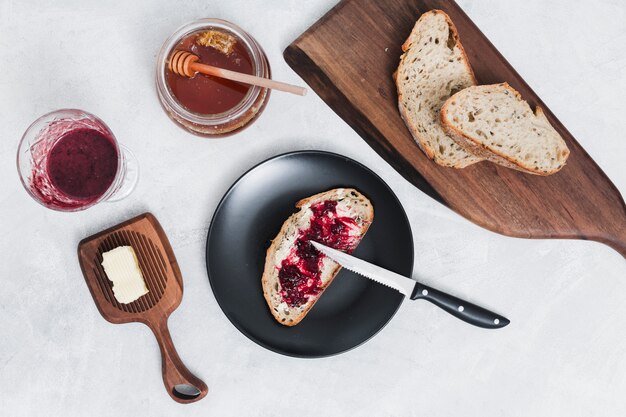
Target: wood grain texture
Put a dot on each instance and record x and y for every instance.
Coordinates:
(164, 281)
(348, 58)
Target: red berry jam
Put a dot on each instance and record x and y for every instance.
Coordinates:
(299, 274)
(74, 163)
(83, 164)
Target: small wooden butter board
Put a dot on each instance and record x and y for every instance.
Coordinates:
(348, 58)
(165, 290)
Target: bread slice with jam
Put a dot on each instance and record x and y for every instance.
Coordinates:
(296, 274)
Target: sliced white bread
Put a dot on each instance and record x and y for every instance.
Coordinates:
(433, 67)
(350, 204)
(493, 121)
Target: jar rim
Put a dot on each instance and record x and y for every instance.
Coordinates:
(210, 119)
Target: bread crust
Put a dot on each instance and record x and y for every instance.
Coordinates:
(406, 46)
(478, 148)
(269, 269)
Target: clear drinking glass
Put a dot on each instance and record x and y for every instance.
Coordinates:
(44, 181)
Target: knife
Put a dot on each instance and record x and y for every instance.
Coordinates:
(463, 310)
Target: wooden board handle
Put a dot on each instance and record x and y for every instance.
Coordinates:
(620, 247)
(183, 386)
(617, 241)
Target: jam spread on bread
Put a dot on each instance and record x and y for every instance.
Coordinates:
(299, 273)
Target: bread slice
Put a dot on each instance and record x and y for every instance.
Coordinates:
(495, 122)
(337, 218)
(433, 67)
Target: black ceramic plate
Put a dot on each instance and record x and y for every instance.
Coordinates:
(353, 308)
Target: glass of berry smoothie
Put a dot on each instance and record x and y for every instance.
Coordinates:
(69, 160)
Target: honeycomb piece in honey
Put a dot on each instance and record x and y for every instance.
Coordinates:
(221, 41)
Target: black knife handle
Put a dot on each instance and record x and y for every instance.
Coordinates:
(463, 310)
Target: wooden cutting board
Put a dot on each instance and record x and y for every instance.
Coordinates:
(165, 291)
(348, 57)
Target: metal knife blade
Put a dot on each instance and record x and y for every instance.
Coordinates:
(376, 273)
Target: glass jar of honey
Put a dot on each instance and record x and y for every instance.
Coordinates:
(205, 105)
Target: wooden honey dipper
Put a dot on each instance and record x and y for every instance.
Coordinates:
(186, 64)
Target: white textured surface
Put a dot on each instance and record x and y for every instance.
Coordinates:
(563, 354)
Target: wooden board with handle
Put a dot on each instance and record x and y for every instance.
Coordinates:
(348, 58)
(165, 291)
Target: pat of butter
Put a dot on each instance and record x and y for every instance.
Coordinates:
(122, 269)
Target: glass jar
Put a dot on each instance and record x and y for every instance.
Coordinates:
(95, 156)
(232, 120)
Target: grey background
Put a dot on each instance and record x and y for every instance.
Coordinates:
(562, 354)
